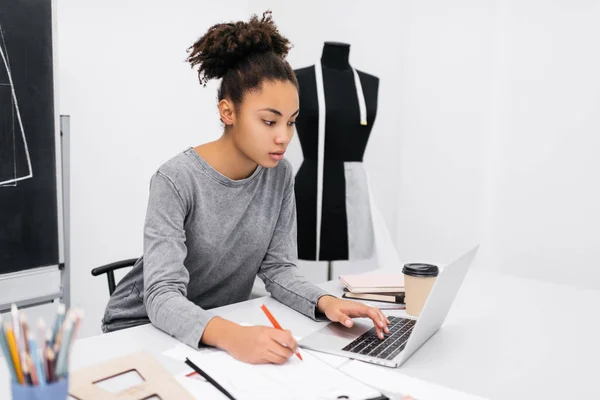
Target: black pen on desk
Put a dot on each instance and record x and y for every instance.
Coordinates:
(208, 378)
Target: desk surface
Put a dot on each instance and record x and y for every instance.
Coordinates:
(505, 337)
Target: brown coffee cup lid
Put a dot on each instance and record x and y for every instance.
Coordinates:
(420, 270)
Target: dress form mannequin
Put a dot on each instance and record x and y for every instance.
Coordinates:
(346, 231)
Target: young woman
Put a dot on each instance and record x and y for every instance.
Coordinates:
(223, 212)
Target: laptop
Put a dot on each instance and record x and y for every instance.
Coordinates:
(407, 334)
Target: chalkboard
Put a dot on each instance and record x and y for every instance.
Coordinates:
(29, 217)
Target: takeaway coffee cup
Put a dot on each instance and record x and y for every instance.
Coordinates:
(418, 281)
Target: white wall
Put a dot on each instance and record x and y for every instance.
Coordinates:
(445, 92)
(542, 198)
(499, 123)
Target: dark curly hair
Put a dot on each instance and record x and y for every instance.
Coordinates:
(243, 54)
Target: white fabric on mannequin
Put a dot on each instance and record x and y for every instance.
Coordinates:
(320, 151)
(386, 255)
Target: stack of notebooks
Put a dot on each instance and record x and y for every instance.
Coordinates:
(385, 288)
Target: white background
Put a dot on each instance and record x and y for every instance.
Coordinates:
(487, 129)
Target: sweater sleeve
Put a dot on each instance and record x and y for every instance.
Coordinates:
(165, 276)
(279, 271)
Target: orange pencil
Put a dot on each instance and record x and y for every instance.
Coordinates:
(14, 352)
(275, 323)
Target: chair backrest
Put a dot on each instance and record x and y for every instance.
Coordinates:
(109, 270)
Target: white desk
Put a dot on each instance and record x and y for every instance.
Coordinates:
(505, 338)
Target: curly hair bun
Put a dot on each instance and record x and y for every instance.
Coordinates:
(225, 45)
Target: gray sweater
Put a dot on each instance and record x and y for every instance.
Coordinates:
(206, 238)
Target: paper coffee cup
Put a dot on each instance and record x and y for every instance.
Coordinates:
(418, 281)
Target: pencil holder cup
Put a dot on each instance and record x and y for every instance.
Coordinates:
(51, 391)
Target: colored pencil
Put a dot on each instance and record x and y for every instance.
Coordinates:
(14, 352)
(80, 314)
(16, 326)
(25, 368)
(31, 367)
(58, 337)
(58, 320)
(24, 331)
(50, 362)
(275, 323)
(42, 334)
(35, 355)
(61, 356)
(45, 353)
(6, 352)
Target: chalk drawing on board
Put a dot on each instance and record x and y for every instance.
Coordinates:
(13, 143)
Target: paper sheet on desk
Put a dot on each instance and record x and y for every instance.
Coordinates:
(391, 381)
(181, 351)
(294, 380)
(334, 361)
(199, 388)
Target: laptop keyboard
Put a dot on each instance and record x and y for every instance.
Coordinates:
(393, 343)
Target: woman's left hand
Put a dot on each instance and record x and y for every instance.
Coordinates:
(342, 311)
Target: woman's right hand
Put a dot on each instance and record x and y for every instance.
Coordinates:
(261, 345)
(251, 344)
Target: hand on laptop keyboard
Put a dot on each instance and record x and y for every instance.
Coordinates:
(339, 310)
(368, 344)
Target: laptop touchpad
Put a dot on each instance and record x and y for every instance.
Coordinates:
(339, 330)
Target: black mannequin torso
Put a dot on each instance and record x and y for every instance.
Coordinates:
(345, 141)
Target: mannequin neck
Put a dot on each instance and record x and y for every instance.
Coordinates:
(335, 56)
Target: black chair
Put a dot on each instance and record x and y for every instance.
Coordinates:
(109, 270)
